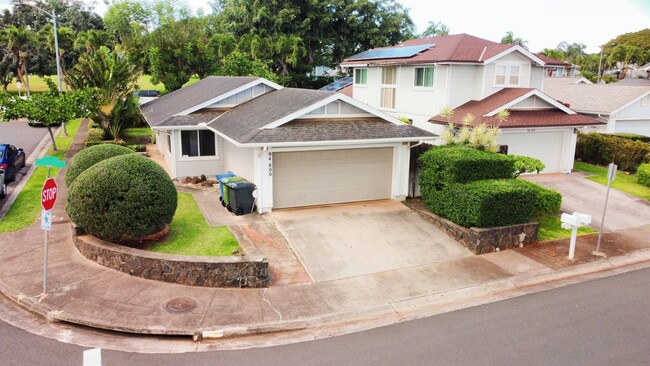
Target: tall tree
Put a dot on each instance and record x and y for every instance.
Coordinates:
(19, 40)
(435, 29)
(553, 53)
(510, 38)
(573, 52)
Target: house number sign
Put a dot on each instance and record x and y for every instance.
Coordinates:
(270, 164)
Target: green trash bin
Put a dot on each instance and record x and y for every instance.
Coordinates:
(226, 189)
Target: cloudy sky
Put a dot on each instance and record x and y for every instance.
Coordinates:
(544, 24)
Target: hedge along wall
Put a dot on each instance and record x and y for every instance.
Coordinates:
(602, 149)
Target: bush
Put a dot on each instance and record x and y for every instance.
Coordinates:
(90, 156)
(633, 137)
(95, 136)
(446, 165)
(602, 149)
(485, 203)
(547, 201)
(138, 147)
(643, 175)
(122, 198)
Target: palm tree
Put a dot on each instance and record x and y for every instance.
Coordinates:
(18, 40)
(435, 29)
(113, 75)
(509, 38)
(90, 40)
(574, 53)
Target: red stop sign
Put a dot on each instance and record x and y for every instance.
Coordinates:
(48, 194)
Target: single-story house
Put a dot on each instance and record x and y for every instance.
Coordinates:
(623, 108)
(538, 125)
(299, 147)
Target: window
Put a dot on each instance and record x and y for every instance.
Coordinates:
(169, 142)
(506, 74)
(424, 76)
(197, 143)
(388, 81)
(361, 76)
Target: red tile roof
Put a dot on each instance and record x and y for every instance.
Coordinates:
(517, 118)
(347, 90)
(451, 48)
(552, 62)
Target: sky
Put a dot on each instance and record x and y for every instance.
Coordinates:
(544, 23)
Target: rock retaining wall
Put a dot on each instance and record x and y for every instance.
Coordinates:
(184, 270)
(485, 240)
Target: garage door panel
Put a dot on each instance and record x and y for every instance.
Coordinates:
(545, 146)
(331, 176)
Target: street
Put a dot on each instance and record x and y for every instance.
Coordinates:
(598, 322)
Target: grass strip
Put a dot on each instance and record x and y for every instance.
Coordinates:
(624, 182)
(550, 228)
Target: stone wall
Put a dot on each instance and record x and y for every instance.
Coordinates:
(185, 270)
(484, 240)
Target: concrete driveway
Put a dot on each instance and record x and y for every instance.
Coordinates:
(584, 196)
(352, 240)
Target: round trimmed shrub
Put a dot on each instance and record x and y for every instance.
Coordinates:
(643, 175)
(90, 156)
(122, 198)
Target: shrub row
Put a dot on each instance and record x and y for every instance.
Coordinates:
(442, 166)
(602, 149)
(643, 175)
(484, 203)
(90, 156)
(633, 137)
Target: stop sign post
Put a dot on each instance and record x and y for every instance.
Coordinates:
(48, 194)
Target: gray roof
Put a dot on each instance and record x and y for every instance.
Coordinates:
(191, 119)
(158, 111)
(338, 130)
(584, 98)
(243, 122)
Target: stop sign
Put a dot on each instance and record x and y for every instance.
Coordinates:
(48, 194)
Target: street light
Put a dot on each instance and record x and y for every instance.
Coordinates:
(56, 42)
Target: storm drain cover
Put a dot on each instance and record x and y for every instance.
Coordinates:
(180, 305)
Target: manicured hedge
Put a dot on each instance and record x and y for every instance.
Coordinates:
(95, 136)
(633, 137)
(122, 198)
(547, 201)
(90, 156)
(643, 175)
(484, 203)
(602, 149)
(441, 166)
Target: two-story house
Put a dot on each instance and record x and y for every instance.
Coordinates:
(417, 78)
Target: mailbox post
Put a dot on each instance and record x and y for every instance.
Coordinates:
(573, 222)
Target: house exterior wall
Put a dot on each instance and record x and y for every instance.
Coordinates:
(239, 160)
(635, 118)
(464, 80)
(194, 166)
(513, 58)
(537, 77)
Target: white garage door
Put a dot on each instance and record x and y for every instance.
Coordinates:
(306, 178)
(545, 146)
(635, 127)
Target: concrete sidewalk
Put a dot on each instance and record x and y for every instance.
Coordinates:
(83, 292)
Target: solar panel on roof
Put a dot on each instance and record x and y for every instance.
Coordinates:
(394, 52)
(338, 84)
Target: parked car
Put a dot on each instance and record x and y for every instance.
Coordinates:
(147, 93)
(11, 160)
(39, 124)
(3, 185)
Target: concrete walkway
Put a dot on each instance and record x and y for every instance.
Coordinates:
(82, 292)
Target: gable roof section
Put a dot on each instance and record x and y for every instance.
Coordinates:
(196, 96)
(456, 48)
(272, 118)
(549, 61)
(486, 109)
(594, 98)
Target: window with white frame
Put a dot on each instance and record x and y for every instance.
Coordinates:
(424, 77)
(198, 143)
(388, 85)
(361, 76)
(507, 74)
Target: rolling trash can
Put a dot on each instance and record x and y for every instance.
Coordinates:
(241, 197)
(226, 189)
(219, 177)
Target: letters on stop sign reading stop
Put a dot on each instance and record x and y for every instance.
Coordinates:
(48, 194)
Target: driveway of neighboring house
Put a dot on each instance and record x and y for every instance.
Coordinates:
(349, 240)
(584, 196)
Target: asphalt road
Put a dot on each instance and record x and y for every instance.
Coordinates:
(21, 135)
(599, 322)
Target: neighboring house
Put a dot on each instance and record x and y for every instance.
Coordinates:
(418, 78)
(300, 147)
(624, 108)
(557, 68)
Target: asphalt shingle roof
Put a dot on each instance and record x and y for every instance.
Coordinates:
(517, 118)
(158, 111)
(593, 98)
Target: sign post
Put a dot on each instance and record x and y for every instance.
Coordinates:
(48, 199)
(611, 176)
(573, 222)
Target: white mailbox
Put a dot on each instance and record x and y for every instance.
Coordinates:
(573, 222)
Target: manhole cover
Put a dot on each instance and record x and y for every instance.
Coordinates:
(180, 305)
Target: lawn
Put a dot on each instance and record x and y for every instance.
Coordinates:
(624, 182)
(137, 135)
(27, 207)
(191, 235)
(550, 228)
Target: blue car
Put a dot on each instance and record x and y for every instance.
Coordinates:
(11, 160)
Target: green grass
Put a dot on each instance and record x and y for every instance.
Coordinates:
(191, 235)
(550, 228)
(624, 182)
(137, 135)
(27, 207)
